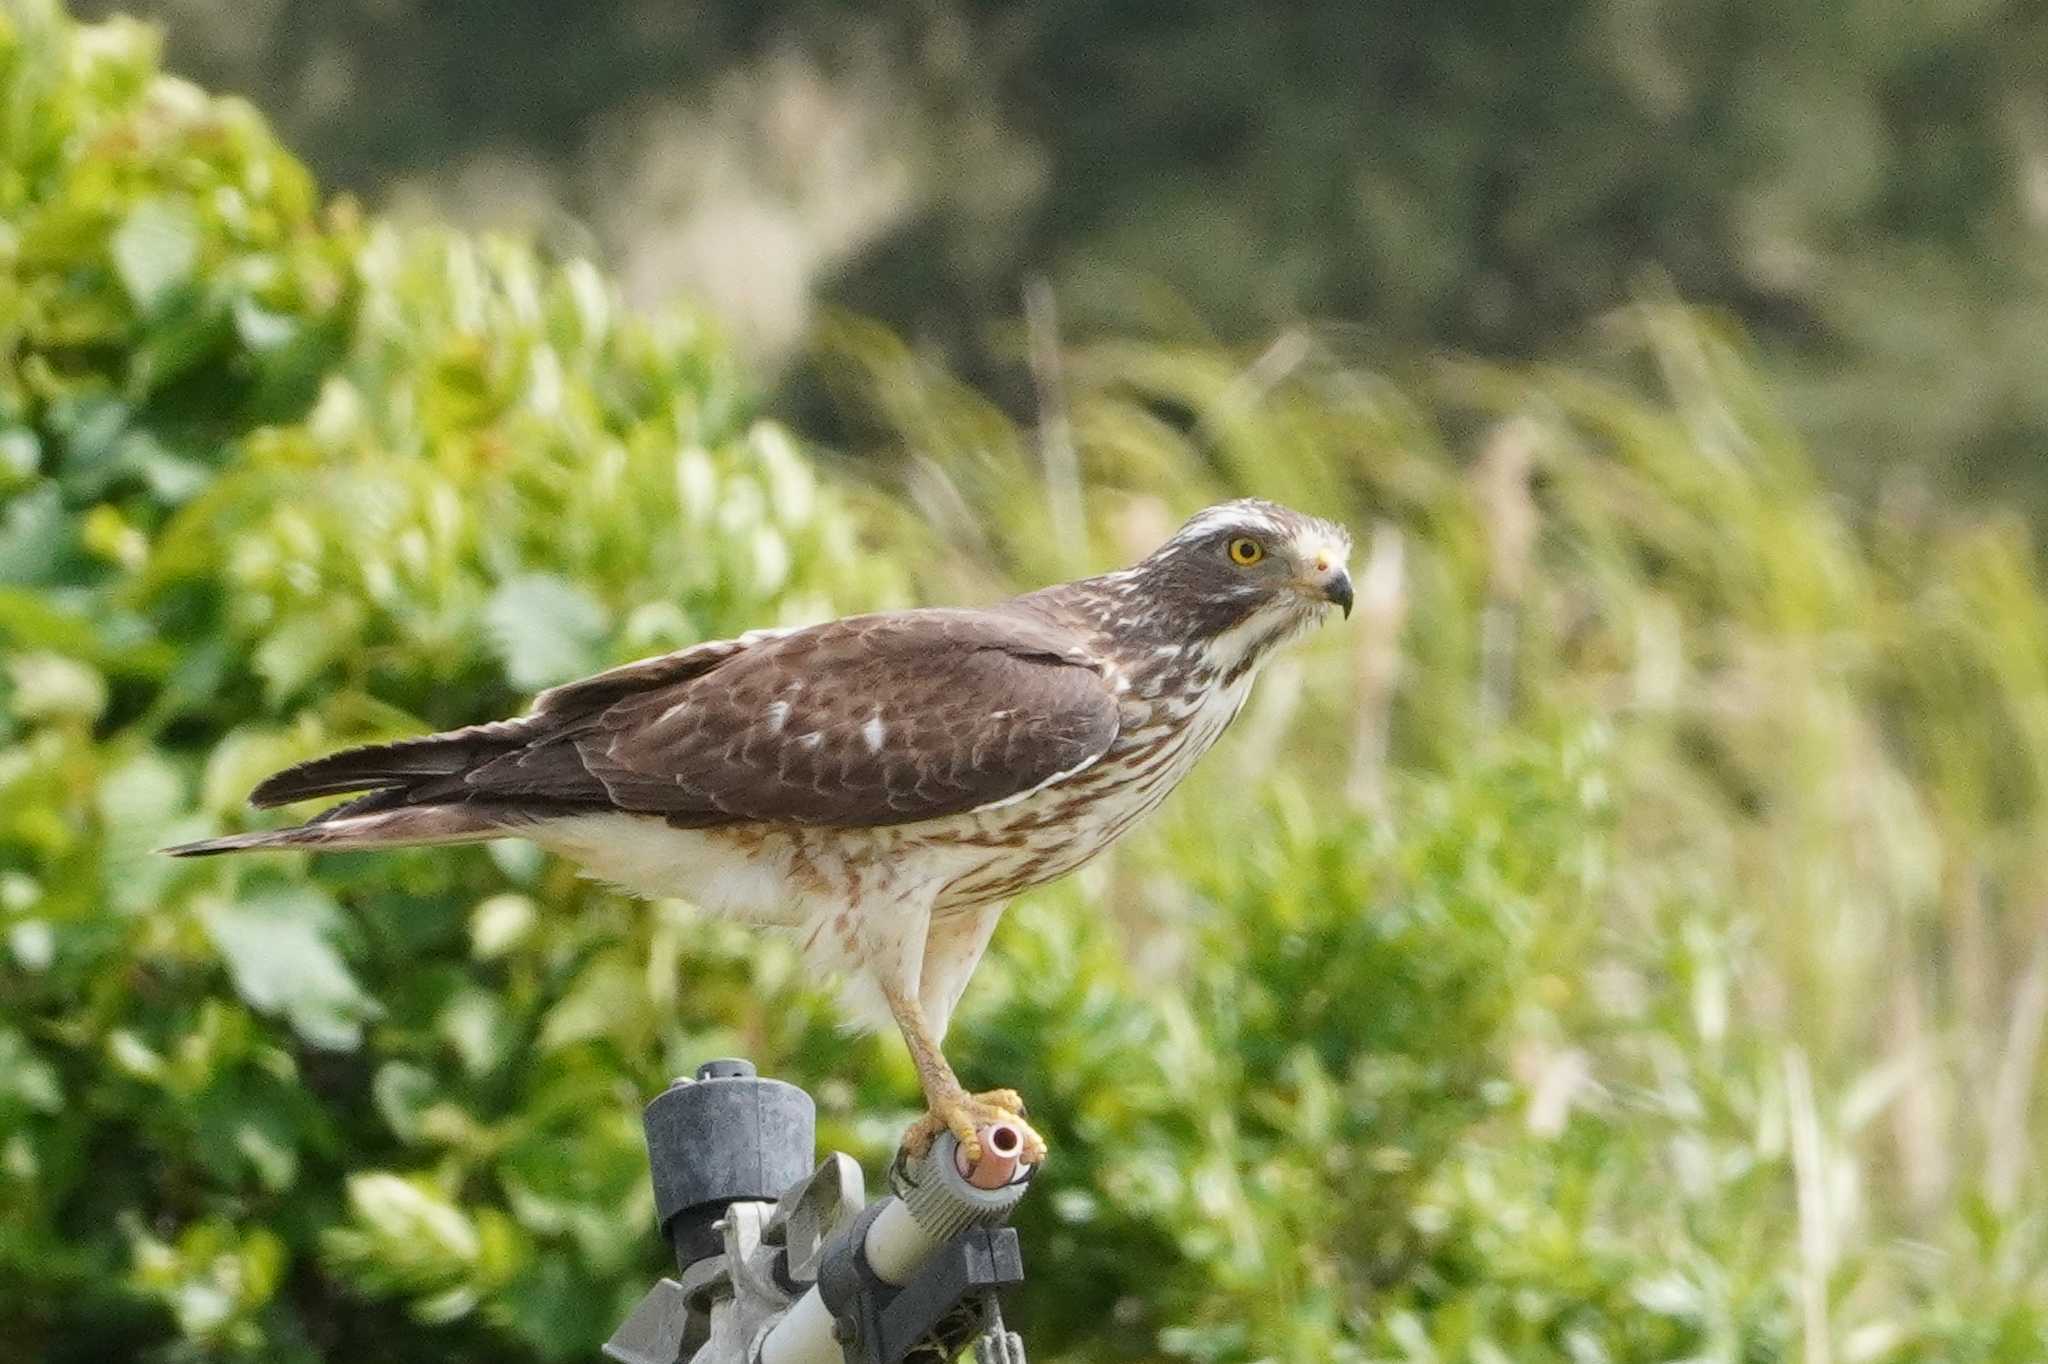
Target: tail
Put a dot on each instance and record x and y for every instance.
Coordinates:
(407, 826)
(416, 796)
(413, 764)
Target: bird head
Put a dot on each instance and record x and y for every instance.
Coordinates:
(1247, 575)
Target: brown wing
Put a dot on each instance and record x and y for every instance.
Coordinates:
(884, 719)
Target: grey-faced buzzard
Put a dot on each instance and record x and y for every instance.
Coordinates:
(879, 785)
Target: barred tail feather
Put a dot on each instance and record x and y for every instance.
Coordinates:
(405, 827)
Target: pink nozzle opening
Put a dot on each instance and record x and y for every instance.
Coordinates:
(1001, 1145)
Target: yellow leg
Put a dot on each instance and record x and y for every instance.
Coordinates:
(950, 1107)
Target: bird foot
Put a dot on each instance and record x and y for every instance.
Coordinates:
(964, 1116)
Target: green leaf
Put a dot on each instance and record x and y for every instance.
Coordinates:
(303, 646)
(49, 686)
(405, 1236)
(545, 630)
(26, 1080)
(21, 452)
(36, 535)
(155, 250)
(138, 803)
(278, 949)
(402, 1092)
(555, 1307)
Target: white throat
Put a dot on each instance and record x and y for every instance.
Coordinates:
(1260, 635)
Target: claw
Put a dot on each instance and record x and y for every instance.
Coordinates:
(964, 1116)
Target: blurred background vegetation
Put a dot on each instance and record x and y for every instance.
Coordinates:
(1863, 183)
(1623, 941)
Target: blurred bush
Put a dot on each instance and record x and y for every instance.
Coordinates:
(1622, 942)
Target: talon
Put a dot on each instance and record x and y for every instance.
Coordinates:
(1007, 1105)
(918, 1138)
(964, 1116)
(960, 1122)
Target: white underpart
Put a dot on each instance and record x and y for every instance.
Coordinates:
(952, 950)
(859, 901)
(649, 857)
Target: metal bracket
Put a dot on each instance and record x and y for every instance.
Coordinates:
(935, 1315)
(997, 1343)
(812, 1212)
(653, 1332)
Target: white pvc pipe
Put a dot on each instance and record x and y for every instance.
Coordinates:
(803, 1336)
(895, 1246)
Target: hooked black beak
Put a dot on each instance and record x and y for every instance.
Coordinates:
(1338, 590)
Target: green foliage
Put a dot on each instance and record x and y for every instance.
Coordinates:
(1619, 943)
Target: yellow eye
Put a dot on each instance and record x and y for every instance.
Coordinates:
(1245, 551)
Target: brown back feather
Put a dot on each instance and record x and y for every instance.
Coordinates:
(871, 720)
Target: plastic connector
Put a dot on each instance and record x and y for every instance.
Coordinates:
(945, 1200)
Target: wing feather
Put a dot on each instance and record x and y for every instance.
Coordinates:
(872, 720)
